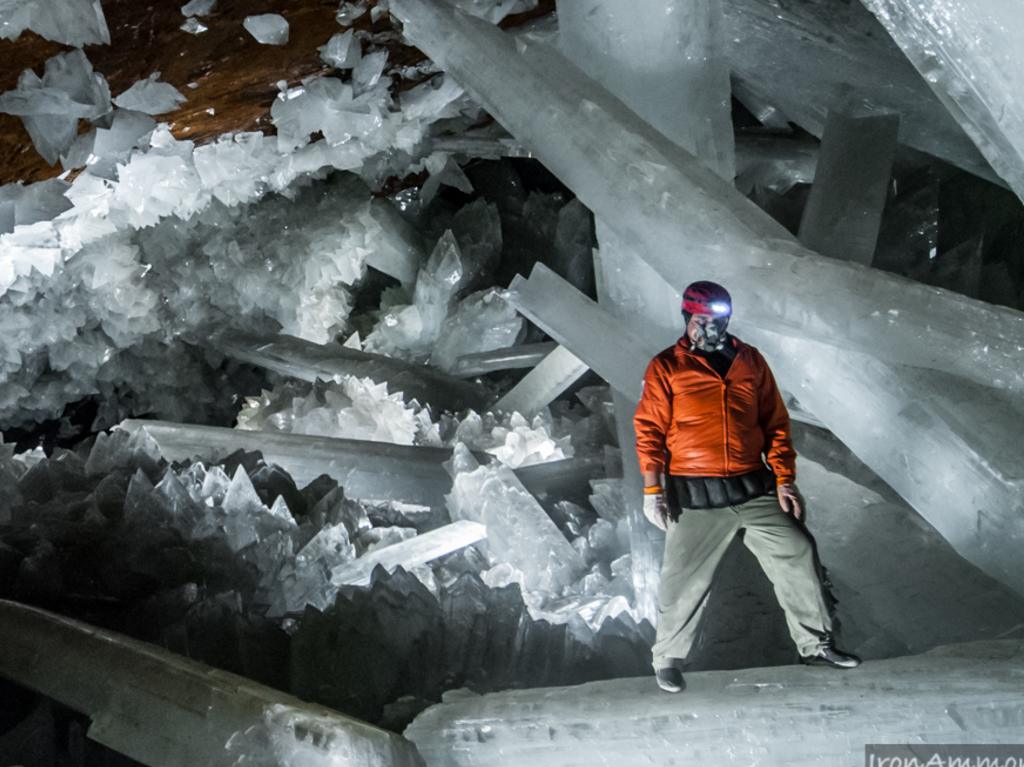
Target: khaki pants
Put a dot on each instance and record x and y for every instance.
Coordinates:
(695, 545)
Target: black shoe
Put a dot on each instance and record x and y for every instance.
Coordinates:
(830, 656)
(670, 679)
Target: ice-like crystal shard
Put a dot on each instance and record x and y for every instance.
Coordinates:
(342, 51)
(738, 717)
(970, 56)
(662, 199)
(519, 531)
(198, 7)
(307, 361)
(71, 22)
(538, 388)
(151, 96)
(511, 358)
(368, 71)
(844, 209)
(51, 106)
(163, 709)
(481, 322)
(410, 553)
(193, 26)
(774, 162)
(267, 28)
(398, 248)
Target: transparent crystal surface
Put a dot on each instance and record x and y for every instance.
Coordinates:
(809, 58)
(482, 322)
(774, 162)
(353, 408)
(892, 599)
(969, 56)
(50, 107)
(267, 28)
(71, 22)
(308, 361)
(198, 7)
(410, 553)
(580, 325)
(519, 531)
(844, 209)
(654, 180)
(374, 471)
(512, 357)
(193, 26)
(676, 49)
(732, 717)
(151, 96)
(945, 444)
(342, 51)
(106, 675)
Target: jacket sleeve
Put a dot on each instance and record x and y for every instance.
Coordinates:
(774, 420)
(652, 417)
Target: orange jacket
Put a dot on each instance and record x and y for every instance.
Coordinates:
(710, 427)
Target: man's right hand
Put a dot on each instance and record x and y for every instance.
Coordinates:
(656, 509)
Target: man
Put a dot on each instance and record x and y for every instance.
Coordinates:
(709, 410)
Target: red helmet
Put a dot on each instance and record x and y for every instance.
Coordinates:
(705, 297)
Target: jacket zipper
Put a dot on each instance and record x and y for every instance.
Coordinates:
(725, 423)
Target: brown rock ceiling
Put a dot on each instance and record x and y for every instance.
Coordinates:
(234, 75)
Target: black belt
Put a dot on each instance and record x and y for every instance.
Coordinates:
(718, 492)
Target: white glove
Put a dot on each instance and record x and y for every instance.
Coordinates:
(656, 509)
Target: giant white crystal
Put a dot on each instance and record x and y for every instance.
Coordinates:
(118, 682)
(969, 55)
(740, 717)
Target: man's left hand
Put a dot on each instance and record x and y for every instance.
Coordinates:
(789, 500)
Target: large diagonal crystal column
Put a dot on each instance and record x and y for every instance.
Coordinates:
(661, 198)
(165, 710)
(970, 54)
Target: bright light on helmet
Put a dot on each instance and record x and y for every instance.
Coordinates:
(720, 308)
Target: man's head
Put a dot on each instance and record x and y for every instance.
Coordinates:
(707, 307)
